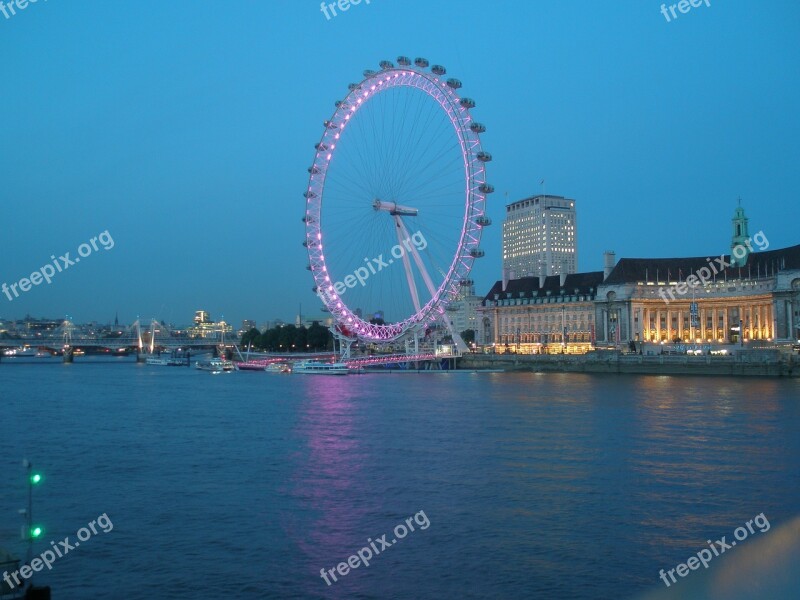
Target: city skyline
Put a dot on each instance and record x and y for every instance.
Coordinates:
(202, 190)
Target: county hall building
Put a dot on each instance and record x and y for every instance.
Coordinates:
(748, 297)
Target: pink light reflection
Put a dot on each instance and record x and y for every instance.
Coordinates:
(327, 469)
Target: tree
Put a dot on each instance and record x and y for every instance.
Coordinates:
(318, 337)
(468, 335)
(250, 337)
(269, 340)
(289, 338)
(286, 337)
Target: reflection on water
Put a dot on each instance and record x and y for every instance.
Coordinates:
(536, 485)
(326, 468)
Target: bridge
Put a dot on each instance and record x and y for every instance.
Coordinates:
(150, 340)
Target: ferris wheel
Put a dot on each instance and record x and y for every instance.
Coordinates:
(395, 203)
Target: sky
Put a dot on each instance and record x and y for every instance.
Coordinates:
(184, 130)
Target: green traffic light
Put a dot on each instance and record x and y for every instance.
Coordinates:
(36, 478)
(36, 532)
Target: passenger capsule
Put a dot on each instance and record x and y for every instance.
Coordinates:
(467, 103)
(438, 70)
(386, 64)
(478, 127)
(484, 156)
(486, 188)
(422, 63)
(403, 61)
(483, 221)
(454, 83)
(477, 253)
(369, 73)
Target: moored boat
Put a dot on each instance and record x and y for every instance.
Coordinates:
(215, 365)
(21, 351)
(316, 367)
(250, 366)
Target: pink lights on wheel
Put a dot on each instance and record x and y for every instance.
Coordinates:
(448, 101)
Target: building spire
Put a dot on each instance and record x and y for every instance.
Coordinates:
(739, 249)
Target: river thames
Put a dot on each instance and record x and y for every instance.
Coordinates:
(508, 485)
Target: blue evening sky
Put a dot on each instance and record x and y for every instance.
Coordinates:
(185, 129)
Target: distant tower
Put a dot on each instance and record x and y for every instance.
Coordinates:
(740, 236)
(116, 319)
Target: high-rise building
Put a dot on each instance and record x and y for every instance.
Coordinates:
(247, 325)
(540, 237)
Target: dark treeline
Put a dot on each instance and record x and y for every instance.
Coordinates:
(289, 338)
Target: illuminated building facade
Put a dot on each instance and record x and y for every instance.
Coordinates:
(638, 303)
(758, 302)
(540, 237)
(535, 315)
(204, 327)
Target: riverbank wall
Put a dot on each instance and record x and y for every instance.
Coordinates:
(763, 363)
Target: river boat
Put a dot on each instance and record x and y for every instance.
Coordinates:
(215, 365)
(250, 366)
(316, 367)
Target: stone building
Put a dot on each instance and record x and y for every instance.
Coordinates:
(750, 297)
